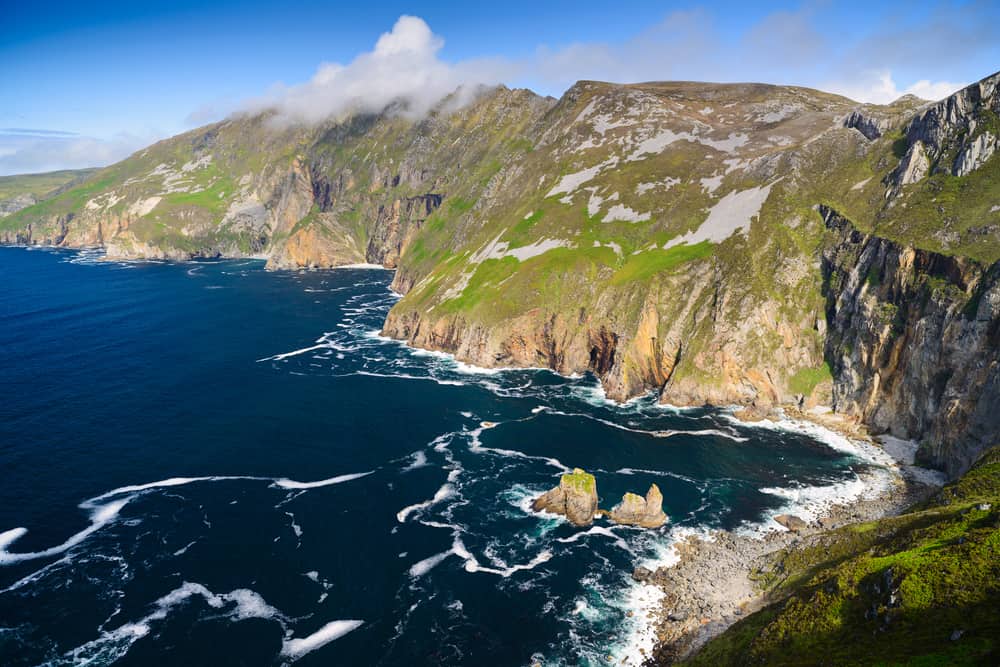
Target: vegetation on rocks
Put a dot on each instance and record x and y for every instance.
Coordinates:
(921, 588)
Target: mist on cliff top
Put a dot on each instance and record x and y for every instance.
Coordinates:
(403, 71)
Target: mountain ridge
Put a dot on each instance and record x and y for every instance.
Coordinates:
(666, 236)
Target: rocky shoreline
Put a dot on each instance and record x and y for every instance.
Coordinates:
(716, 580)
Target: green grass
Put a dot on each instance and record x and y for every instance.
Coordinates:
(650, 262)
(806, 379)
(579, 481)
(39, 185)
(889, 592)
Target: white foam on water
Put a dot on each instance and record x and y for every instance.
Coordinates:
(103, 513)
(476, 445)
(419, 461)
(183, 550)
(113, 644)
(294, 353)
(165, 483)
(812, 502)
(100, 516)
(420, 568)
(297, 647)
(286, 483)
(861, 449)
(361, 265)
(598, 530)
(644, 600)
(446, 491)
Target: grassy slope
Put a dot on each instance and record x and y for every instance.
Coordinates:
(39, 185)
(891, 592)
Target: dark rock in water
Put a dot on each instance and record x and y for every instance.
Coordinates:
(642, 574)
(575, 498)
(634, 510)
(791, 522)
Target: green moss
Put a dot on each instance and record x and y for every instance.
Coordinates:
(889, 592)
(647, 263)
(806, 379)
(579, 481)
(458, 205)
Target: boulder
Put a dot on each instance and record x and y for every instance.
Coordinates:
(791, 522)
(575, 498)
(634, 510)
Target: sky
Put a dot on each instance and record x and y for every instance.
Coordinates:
(86, 84)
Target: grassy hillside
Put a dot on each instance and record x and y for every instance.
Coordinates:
(40, 185)
(918, 589)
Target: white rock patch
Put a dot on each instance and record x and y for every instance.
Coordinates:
(861, 184)
(144, 206)
(712, 184)
(536, 248)
(730, 215)
(620, 212)
(201, 162)
(570, 182)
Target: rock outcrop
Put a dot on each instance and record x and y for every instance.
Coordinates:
(16, 203)
(791, 522)
(960, 131)
(575, 498)
(634, 510)
(914, 343)
(662, 236)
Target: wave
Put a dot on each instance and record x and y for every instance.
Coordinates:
(295, 648)
(446, 491)
(102, 514)
(286, 483)
(242, 604)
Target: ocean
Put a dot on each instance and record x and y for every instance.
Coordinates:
(207, 463)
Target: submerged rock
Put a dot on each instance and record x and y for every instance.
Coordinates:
(634, 510)
(575, 498)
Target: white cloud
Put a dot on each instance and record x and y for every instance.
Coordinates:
(403, 68)
(26, 153)
(878, 87)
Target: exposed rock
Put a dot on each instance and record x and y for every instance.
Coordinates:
(575, 498)
(791, 522)
(15, 204)
(975, 153)
(913, 166)
(913, 343)
(869, 125)
(954, 125)
(634, 510)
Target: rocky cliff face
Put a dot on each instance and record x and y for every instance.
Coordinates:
(673, 237)
(914, 343)
(346, 191)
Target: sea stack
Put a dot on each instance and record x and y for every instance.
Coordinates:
(575, 498)
(634, 510)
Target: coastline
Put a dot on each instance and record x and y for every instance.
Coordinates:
(711, 580)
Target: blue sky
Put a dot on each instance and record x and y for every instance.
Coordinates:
(84, 84)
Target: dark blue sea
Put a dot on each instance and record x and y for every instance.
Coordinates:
(212, 464)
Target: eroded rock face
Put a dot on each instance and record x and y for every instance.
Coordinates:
(634, 510)
(575, 498)
(15, 204)
(914, 343)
